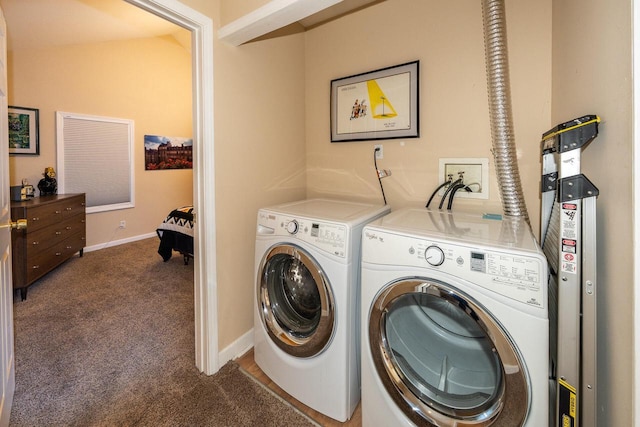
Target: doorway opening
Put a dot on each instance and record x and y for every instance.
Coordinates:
(205, 284)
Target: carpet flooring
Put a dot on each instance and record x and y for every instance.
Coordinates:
(107, 339)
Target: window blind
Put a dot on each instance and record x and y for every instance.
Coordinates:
(95, 157)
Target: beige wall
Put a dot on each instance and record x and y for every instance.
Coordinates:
(259, 154)
(447, 38)
(592, 75)
(146, 80)
(260, 160)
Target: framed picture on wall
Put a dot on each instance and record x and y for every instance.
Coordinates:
(380, 104)
(167, 152)
(23, 131)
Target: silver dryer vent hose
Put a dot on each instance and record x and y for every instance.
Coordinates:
(503, 142)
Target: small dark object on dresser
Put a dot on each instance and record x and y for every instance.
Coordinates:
(48, 185)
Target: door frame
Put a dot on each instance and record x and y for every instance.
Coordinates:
(205, 281)
(635, 47)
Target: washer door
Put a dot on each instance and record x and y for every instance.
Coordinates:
(444, 359)
(295, 301)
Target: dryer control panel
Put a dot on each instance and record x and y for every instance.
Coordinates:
(512, 274)
(515, 274)
(326, 236)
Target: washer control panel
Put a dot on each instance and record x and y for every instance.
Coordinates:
(327, 236)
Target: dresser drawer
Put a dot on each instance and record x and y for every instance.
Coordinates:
(73, 207)
(44, 238)
(73, 244)
(39, 217)
(42, 263)
(45, 211)
(45, 260)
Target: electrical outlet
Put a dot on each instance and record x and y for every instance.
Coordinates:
(474, 172)
(123, 224)
(379, 152)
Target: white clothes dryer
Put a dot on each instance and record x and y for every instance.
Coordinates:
(455, 328)
(306, 310)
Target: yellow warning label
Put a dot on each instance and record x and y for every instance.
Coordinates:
(572, 405)
(566, 385)
(552, 135)
(567, 404)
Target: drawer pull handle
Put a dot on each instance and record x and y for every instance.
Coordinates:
(35, 242)
(35, 218)
(69, 209)
(58, 253)
(57, 212)
(68, 228)
(58, 233)
(35, 267)
(69, 247)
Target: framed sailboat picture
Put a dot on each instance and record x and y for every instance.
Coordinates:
(380, 104)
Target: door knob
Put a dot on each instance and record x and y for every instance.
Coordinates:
(20, 224)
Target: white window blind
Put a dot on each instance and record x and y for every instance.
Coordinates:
(95, 157)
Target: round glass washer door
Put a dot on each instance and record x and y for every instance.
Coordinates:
(444, 359)
(295, 301)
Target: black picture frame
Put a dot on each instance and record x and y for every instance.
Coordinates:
(24, 131)
(379, 104)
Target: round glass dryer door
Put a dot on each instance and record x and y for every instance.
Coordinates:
(295, 301)
(445, 360)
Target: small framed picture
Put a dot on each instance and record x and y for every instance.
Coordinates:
(380, 104)
(23, 131)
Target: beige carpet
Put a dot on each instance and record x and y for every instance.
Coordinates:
(108, 340)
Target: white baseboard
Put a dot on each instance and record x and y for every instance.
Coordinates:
(236, 348)
(119, 242)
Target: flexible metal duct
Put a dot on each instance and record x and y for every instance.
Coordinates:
(504, 148)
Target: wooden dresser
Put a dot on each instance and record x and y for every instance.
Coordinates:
(55, 232)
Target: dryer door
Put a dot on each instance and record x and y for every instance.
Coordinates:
(444, 359)
(295, 301)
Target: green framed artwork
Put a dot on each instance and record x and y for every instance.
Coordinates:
(23, 131)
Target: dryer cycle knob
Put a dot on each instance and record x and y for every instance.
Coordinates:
(434, 255)
(292, 227)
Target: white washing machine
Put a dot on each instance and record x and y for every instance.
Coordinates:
(306, 310)
(455, 328)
